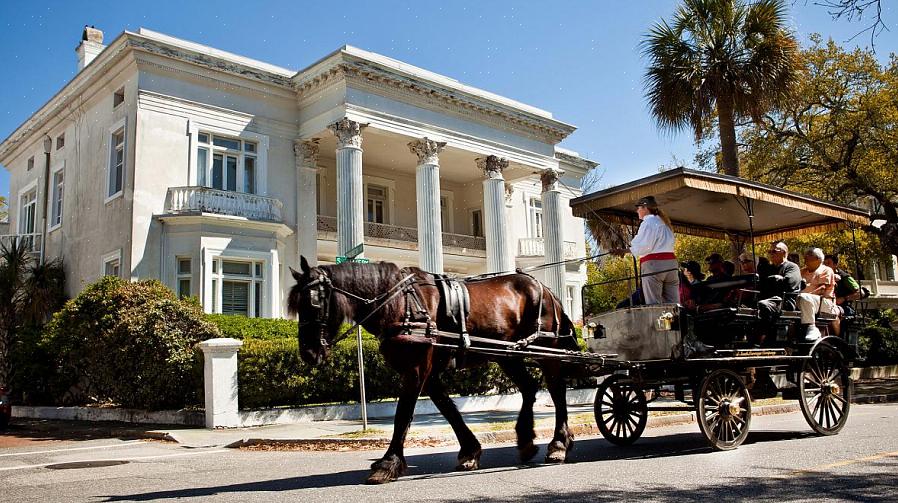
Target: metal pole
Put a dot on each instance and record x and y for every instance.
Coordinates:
(362, 380)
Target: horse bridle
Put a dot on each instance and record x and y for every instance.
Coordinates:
(320, 291)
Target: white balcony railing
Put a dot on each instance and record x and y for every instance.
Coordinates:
(186, 200)
(536, 247)
(881, 289)
(407, 234)
(32, 242)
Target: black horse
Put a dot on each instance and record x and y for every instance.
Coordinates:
(504, 307)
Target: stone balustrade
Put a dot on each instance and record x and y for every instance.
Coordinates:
(192, 200)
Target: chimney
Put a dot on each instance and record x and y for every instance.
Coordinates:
(91, 46)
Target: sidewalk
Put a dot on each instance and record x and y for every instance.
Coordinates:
(489, 426)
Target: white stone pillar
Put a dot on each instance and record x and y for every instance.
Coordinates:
(220, 375)
(495, 230)
(430, 227)
(553, 235)
(350, 199)
(306, 152)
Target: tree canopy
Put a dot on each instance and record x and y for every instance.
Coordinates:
(725, 57)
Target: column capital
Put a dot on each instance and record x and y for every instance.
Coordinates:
(348, 133)
(549, 178)
(492, 166)
(427, 150)
(306, 152)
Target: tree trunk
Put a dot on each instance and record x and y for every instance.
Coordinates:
(727, 125)
(4, 359)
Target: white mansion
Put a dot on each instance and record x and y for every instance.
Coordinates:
(167, 159)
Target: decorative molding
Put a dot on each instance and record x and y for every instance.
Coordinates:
(348, 133)
(368, 76)
(509, 194)
(492, 166)
(427, 150)
(306, 152)
(549, 178)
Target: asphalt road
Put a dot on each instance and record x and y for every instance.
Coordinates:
(780, 461)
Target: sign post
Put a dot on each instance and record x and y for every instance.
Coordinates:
(363, 401)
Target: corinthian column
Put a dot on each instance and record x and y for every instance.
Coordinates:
(497, 257)
(350, 200)
(430, 228)
(552, 231)
(306, 152)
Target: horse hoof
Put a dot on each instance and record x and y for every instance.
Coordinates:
(380, 477)
(527, 452)
(470, 462)
(556, 457)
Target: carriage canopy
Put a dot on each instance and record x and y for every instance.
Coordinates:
(718, 206)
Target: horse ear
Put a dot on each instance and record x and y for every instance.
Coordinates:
(296, 275)
(304, 265)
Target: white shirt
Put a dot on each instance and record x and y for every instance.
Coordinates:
(654, 236)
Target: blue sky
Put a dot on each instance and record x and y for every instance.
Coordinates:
(578, 59)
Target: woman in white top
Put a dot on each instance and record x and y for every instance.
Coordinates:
(654, 245)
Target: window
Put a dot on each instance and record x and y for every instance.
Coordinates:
(116, 162)
(239, 285)
(447, 207)
(118, 98)
(185, 275)
(28, 212)
(227, 163)
(60, 141)
(570, 291)
(30, 163)
(58, 193)
(536, 217)
(477, 223)
(112, 264)
(377, 202)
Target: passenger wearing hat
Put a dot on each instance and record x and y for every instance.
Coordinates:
(654, 245)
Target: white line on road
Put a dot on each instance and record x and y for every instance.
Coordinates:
(123, 444)
(137, 459)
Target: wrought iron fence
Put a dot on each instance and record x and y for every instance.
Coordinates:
(407, 234)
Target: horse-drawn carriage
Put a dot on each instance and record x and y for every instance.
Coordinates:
(427, 323)
(653, 341)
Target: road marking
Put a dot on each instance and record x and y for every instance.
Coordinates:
(123, 444)
(839, 464)
(136, 459)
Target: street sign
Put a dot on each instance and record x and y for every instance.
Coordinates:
(340, 259)
(356, 250)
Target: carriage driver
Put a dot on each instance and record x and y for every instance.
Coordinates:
(654, 245)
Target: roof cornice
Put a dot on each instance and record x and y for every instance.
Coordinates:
(355, 65)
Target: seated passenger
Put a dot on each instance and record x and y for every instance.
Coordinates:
(716, 268)
(818, 295)
(847, 288)
(693, 272)
(747, 263)
(729, 269)
(780, 280)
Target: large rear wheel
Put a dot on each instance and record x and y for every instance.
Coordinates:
(621, 411)
(723, 410)
(824, 387)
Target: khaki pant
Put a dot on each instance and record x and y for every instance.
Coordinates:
(810, 304)
(660, 287)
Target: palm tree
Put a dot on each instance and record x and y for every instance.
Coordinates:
(29, 293)
(725, 56)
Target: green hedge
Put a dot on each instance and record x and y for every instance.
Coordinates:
(271, 373)
(132, 344)
(877, 340)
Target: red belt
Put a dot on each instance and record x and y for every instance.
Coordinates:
(658, 256)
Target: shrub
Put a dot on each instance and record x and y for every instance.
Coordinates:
(241, 327)
(128, 343)
(877, 340)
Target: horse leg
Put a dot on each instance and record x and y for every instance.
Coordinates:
(563, 440)
(392, 464)
(469, 454)
(517, 372)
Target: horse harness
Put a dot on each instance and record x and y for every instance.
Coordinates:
(454, 308)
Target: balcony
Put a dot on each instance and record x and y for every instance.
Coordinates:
(405, 234)
(199, 200)
(882, 293)
(32, 242)
(536, 247)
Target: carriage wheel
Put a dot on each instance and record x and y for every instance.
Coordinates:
(825, 390)
(724, 410)
(621, 411)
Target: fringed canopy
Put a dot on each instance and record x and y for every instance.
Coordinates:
(717, 206)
